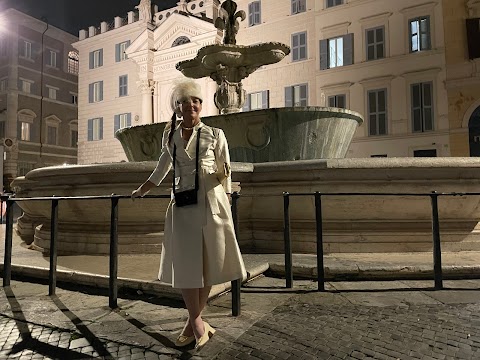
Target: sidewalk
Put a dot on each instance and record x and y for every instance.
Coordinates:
(351, 320)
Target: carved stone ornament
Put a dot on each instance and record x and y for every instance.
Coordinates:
(227, 21)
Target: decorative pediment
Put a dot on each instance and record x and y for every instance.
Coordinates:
(179, 26)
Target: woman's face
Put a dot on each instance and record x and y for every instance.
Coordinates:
(191, 108)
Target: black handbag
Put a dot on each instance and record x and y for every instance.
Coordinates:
(187, 197)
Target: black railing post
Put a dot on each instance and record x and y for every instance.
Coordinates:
(113, 285)
(319, 227)
(287, 241)
(52, 274)
(437, 252)
(7, 261)
(236, 284)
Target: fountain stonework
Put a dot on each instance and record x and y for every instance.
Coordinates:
(274, 150)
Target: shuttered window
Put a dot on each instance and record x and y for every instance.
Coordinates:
(121, 121)
(377, 112)
(120, 51)
(299, 46)
(95, 129)
(95, 92)
(331, 3)
(299, 6)
(420, 34)
(336, 52)
(254, 13)
(422, 106)
(339, 101)
(257, 100)
(96, 59)
(296, 95)
(375, 43)
(123, 85)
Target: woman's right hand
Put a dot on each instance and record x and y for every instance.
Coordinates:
(137, 193)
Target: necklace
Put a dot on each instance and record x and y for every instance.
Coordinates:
(188, 128)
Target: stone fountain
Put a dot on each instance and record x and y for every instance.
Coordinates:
(275, 150)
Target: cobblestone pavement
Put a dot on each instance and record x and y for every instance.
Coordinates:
(303, 331)
(357, 320)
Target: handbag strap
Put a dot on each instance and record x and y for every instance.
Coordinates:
(197, 147)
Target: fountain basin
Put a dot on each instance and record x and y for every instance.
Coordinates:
(278, 134)
(351, 224)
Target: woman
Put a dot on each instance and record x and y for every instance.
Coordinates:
(200, 248)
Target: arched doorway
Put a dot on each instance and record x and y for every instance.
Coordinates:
(474, 132)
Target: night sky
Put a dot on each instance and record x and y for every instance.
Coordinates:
(73, 15)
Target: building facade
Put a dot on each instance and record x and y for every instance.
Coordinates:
(462, 40)
(38, 94)
(382, 58)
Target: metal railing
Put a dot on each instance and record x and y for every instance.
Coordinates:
(235, 285)
(113, 254)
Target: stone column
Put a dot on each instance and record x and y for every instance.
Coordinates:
(156, 105)
(146, 88)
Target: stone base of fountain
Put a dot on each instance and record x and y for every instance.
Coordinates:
(351, 224)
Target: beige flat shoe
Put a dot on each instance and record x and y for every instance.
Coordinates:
(209, 331)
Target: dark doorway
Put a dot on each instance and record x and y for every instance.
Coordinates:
(474, 132)
(425, 153)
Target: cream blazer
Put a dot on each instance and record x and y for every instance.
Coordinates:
(200, 248)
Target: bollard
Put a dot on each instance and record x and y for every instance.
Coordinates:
(437, 252)
(319, 228)
(52, 274)
(236, 284)
(7, 261)
(287, 241)
(113, 284)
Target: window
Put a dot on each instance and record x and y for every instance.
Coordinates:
(257, 100)
(336, 52)
(180, 41)
(379, 156)
(74, 99)
(377, 112)
(96, 59)
(299, 46)
(339, 101)
(120, 51)
(299, 6)
(95, 129)
(26, 49)
(3, 84)
(420, 34)
(52, 58)
(121, 121)
(74, 138)
(73, 59)
(52, 92)
(254, 17)
(52, 135)
(331, 3)
(24, 167)
(26, 86)
(95, 92)
(25, 130)
(425, 153)
(296, 95)
(375, 43)
(422, 106)
(123, 85)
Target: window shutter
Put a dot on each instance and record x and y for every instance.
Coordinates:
(302, 6)
(348, 49)
(257, 12)
(302, 53)
(90, 130)
(100, 62)
(90, 93)
(117, 52)
(129, 119)
(47, 55)
(250, 14)
(100, 135)
(116, 123)
(246, 106)
(473, 34)
(294, 6)
(323, 54)
(303, 95)
(101, 91)
(90, 60)
(288, 96)
(265, 97)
